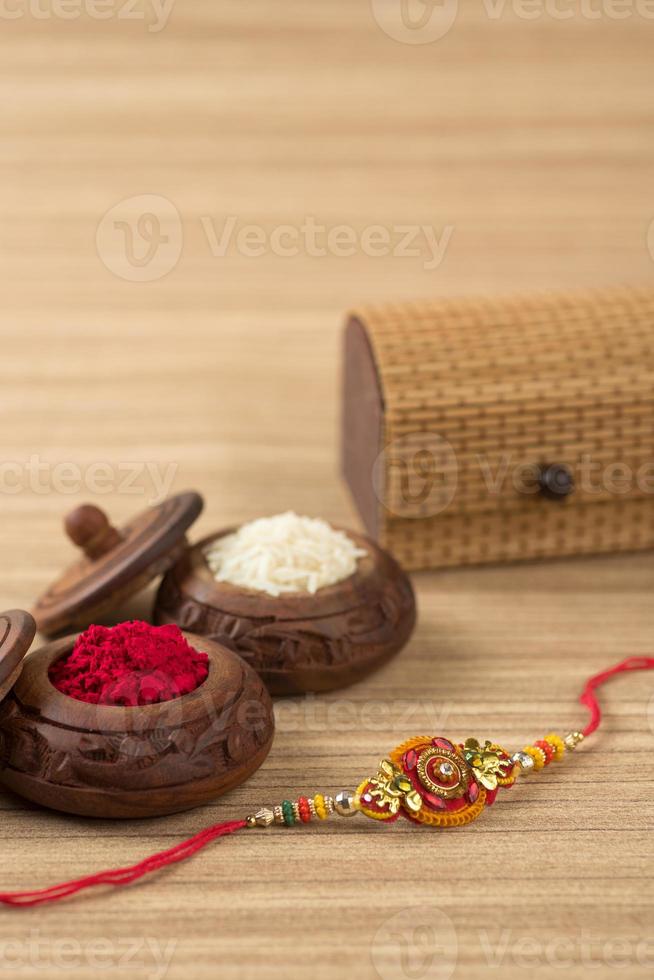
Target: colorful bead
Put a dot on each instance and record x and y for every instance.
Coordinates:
(289, 813)
(303, 809)
(537, 755)
(547, 750)
(557, 744)
(321, 809)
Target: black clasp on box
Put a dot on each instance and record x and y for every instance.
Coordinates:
(556, 481)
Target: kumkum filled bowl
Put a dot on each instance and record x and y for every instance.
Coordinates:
(109, 760)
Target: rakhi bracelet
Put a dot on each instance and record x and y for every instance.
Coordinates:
(432, 781)
(428, 780)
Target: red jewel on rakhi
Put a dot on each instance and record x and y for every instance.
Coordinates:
(435, 782)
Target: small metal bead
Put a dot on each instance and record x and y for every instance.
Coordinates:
(264, 817)
(251, 821)
(312, 807)
(344, 804)
(572, 740)
(329, 804)
(278, 814)
(524, 760)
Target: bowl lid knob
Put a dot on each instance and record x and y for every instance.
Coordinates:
(88, 527)
(115, 563)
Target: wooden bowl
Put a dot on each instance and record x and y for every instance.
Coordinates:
(106, 761)
(297, 642)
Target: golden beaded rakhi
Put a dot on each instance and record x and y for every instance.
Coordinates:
(431, 781)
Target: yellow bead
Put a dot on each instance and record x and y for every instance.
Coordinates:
(557, 744)
(321, 809)
(537, 755)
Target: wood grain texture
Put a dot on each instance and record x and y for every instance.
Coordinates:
(535, 141)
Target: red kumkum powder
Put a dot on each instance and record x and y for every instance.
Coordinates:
(130, 664)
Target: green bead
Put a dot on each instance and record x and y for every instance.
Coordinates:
(289, 814)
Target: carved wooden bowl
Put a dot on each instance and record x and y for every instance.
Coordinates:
(297, 642)
(106, 761)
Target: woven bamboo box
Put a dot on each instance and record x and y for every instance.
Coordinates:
(496, 430)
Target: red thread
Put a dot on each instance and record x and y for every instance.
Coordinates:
(130, 664)
(123, 876)
(587, 697)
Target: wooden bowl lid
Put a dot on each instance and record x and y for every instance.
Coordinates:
(116, 563)
(17, 630)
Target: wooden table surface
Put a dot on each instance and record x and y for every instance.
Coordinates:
(526, 147)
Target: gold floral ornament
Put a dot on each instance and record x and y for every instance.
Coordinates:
(381, 796)
(489, 762)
